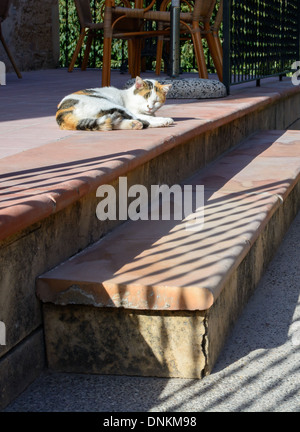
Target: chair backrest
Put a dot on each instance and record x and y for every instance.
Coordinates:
(203, 9)
(200, 10)
(4, 6)
(84, 12)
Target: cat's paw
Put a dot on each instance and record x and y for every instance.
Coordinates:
(169, 121)
(131, 124)
(165, 121)
(136, 124)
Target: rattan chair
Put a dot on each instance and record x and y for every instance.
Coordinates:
(4, 6)
(128, 22)
(197, 24)
(87, 27)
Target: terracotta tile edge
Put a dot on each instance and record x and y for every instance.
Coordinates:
(167, 298)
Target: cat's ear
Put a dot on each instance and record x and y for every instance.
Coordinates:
(166, 88)
(139, 83)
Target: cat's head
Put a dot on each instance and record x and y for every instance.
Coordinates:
(151, 95)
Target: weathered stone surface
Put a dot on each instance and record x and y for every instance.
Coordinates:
(21, 366)
(31, 32)
(119, 341)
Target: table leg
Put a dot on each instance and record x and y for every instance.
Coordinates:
(175, 39)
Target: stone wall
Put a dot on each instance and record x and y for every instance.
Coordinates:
(31, 32)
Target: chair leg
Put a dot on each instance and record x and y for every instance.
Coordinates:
(219, 45)
(87, 50)
(159, 51)
(214, 49)
(106, 61)
(198, 48)
(130, 56)
(10, 56)
(143, 64)
(77, 49)
(138, 54)
(135, 49)
(219, 50)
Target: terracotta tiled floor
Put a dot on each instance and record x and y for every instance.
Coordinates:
(27, 110)
(42, 164)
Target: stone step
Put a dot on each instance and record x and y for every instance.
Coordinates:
(159, 297)
(49, 180)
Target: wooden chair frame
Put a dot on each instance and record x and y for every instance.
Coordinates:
(198, 25)
(89, 28)
(126, 22)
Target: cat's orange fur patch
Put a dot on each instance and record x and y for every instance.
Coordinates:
(160, 90)
(69, 122)
(82, 92)
(107, 125)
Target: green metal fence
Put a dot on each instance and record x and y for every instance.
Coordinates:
(261, 39)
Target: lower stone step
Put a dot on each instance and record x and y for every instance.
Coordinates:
(159, 297)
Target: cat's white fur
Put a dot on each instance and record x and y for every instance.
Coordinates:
(129, 100)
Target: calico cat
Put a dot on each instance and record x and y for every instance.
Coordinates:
(107, 108)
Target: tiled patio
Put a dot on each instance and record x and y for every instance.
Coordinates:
(40, 160)
(28, 105)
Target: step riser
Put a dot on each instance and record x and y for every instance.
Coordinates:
(183, 344)
(23, 366)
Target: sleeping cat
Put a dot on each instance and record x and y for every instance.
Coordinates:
(109, 108)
